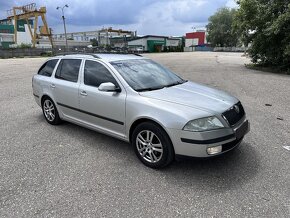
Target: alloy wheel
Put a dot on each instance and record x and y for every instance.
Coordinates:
(149, 146)
(49, 110)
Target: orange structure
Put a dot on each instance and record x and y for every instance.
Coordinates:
(29, 12)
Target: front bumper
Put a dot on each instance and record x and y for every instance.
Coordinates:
(195, 144)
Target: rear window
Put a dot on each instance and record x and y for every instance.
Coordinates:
(47, 68)
(68, 69)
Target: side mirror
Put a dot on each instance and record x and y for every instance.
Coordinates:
(108, 87)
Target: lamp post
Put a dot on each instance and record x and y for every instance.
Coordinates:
(63, 18)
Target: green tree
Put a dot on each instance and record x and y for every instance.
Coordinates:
(219, 28)
(264, 25)
(94, 42)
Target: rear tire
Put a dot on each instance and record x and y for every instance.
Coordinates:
(50, 112)
(152, 145)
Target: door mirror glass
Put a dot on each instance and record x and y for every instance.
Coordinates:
(108, 87)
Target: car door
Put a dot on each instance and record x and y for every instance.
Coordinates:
(42, 80)
(104, 110)
(65, 87)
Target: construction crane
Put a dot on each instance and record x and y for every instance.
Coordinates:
(28, 12)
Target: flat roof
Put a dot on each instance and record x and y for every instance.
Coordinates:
(154, 36)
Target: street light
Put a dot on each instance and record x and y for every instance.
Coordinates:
(62, 8)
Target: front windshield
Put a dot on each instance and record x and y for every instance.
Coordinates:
(146, 75)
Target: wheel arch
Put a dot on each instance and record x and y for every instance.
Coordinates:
(56, 119)
(143, 120)
(44, 96)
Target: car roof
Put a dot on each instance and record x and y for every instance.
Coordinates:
(105, 57)
(118, 57)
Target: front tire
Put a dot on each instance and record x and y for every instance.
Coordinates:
(152, 145)
(50, 112)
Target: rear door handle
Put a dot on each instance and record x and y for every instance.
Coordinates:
(83, 93)
(52, 86)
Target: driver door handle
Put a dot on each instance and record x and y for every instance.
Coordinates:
(83, 93)
(52, 86)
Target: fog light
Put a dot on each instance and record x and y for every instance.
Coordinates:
(214, 150)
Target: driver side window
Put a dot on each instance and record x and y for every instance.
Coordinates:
(96, 73)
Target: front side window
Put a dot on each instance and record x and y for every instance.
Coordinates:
(146, 75)
(96, 73)
(68, 69)
(47, 68)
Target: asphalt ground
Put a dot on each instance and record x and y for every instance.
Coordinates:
(70, 171)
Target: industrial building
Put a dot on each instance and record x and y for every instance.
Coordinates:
(21, 26)
(151, 43)
(104, 37)
(121, 41)
(195, 39)
(8, 32)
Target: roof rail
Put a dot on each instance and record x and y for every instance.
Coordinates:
(95, 55)
(77, 53)
(116, 52)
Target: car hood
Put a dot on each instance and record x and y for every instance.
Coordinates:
(194, 95)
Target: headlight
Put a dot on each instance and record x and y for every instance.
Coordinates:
(203, 124)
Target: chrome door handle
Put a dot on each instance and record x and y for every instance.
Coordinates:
(83, 93)
(52, 86)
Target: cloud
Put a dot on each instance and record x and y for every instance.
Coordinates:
(105, 12)
(176, 17)
(170, 17)
(232, 4)
(195, 10)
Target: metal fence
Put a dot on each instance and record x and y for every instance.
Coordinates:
(23, 52)
(230, 49)
(30, 52)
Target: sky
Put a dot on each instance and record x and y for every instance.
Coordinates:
(147, 17)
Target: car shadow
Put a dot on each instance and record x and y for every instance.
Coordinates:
(217, 174)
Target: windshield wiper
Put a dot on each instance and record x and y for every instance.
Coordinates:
(161, 87)
(177, 83)
(149, 89)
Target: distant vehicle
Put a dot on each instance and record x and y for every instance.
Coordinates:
(140, 49)
(134, 99)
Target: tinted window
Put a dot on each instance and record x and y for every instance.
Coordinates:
(96, 73)
(47, 68)
(68, 69)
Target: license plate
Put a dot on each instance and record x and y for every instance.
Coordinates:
(242, 130)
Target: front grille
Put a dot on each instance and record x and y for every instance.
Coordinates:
(234, 114)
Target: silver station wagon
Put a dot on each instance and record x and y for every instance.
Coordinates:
(134, 99)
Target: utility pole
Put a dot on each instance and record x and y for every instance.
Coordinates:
(63, 18)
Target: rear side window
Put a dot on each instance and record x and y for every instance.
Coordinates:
(96, 73)
(47, 68)
(68, 69)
